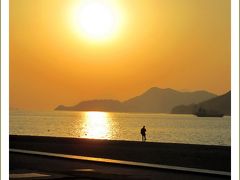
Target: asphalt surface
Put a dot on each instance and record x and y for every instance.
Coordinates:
(26, 167)
(185, 155)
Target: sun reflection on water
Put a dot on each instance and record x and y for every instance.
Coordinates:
(96, 125)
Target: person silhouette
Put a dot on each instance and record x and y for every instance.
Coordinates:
(143, 133)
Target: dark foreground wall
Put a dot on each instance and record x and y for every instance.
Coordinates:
(187, 155)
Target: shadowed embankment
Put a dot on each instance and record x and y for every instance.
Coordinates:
(187, 155)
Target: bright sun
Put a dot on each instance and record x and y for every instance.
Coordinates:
(96, 20)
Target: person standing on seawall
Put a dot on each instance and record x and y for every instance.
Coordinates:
(143, 133)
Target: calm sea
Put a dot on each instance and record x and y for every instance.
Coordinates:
(122, 126)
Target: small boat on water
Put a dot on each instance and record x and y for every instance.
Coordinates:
(203, 113)
(209, 115)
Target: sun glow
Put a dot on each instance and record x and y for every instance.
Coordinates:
(96, 19)
(96, 125)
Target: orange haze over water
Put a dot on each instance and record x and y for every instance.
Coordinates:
(180, 44)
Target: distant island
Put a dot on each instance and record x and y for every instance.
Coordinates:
(154, 100)
(217, 105)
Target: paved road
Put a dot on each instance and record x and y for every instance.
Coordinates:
(28, 167)
(187, 155)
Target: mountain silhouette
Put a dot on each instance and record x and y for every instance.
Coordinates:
(220, 104)
(95, 105)
(163, 100)
(154, 100)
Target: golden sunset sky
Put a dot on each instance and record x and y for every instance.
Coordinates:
(57, 59)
